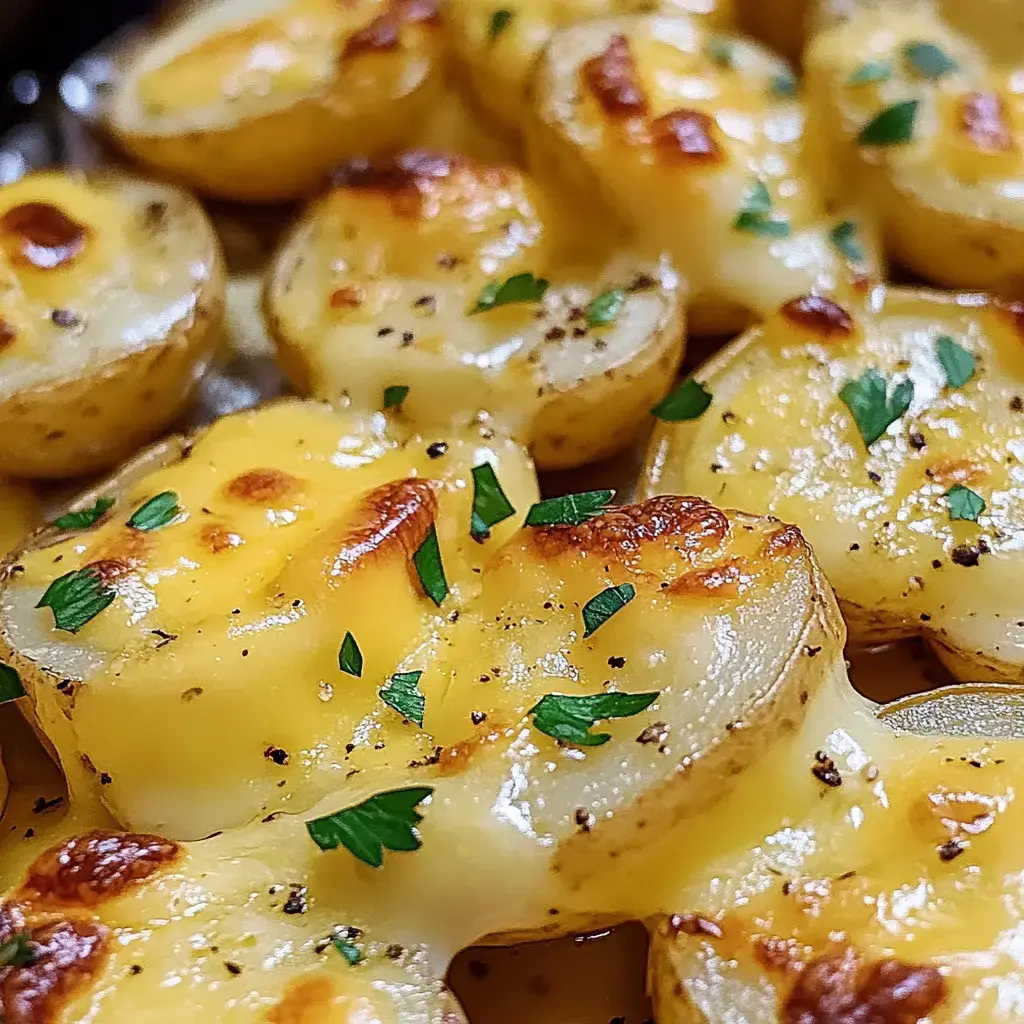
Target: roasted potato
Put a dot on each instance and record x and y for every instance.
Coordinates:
(257, 99)
(913, 120)
(430, 274)
(112, 288)
(781, 24)
(19, 513)
(696, 138)
(891, 432)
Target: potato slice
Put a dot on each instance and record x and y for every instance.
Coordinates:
(258, 99)
(779, 439)
(378, 284)
(912, 119)
(696, 138)
(112, 290)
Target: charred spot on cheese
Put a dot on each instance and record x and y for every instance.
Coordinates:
(613, 80)
(818, 314)
(384, 33)
(983, 120)
(67, 955)
(307, 1000)
(841, 987)
(7, 334)
(695, 924)
(686, 133)
(96, 866)
(262, 486)
(219, 538)
(348, 297)
(718, 581)
(41, 235)
(401, 172)
(109, 570)
(956, 471)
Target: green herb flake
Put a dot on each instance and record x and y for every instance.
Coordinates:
(844, 238)
(605, 307)
(569, 719)
(76, 598)
(395, 395)
(929, 61)
(964, 503)
(686, 402)
(499, 22)
(518, 288)
(157, 512)
(722, 52)
(569, 509)
(349, 950)
(10, 684)
(784, 84)
(86, 517)
(891, 126)
(755, 213)
(870, 71)
(490, 503)
(350, 658)
(17, 951)
(429, 568)
(957, 363)
(598, 610)
(401, 694)
(385, 821)
(873, 410)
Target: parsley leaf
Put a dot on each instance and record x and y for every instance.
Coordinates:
(569, 509)
(870, 71)
(429, 568)
(872, 410)
(76, 598)
(350, 658)
(687, 402)
(498, 23)
(86, 517)
(518, 288)
(722, 52)
(349, 950)
(568, 719)
(605, 307)
(490, 503)
(401, 694)
(17, 951)
(10, 684)
(929, 61)
(157, 512)
(784, 84)
(755, 213)
(844, 238)
(598, 610)
(395, 395)
(957, 362)
(964, 503)
(891, 126)
(383, 822)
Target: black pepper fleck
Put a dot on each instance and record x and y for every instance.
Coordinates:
(437, 449)
(951, 850)
(616, 661)
(966, 555)
(824, 770)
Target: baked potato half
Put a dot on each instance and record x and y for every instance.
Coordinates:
(913, 119)
(112, 288)
(257, 99)
(890, 432)
(429, 275)
(695, 137)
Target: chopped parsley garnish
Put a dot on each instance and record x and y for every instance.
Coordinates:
(401, 694)
(76, 598)
(86, 517)
(605, 307)
(569, 719)
(870, 71)
(928, 60)
(844, 238)
(349, 950)
(499, 22)
(569, 509)
(784, 84)
(873, 410)
(518, 288)
(17, 951)
(722, 52)
(964, 503)
(755, 213)
(957, 362)
(395, 395)
(686, 402)
(490, 503)
(157, 512)
(429, 568)
(10, 684)
(598, 610)
(350, 658)
(383, 822)
(891, 126)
